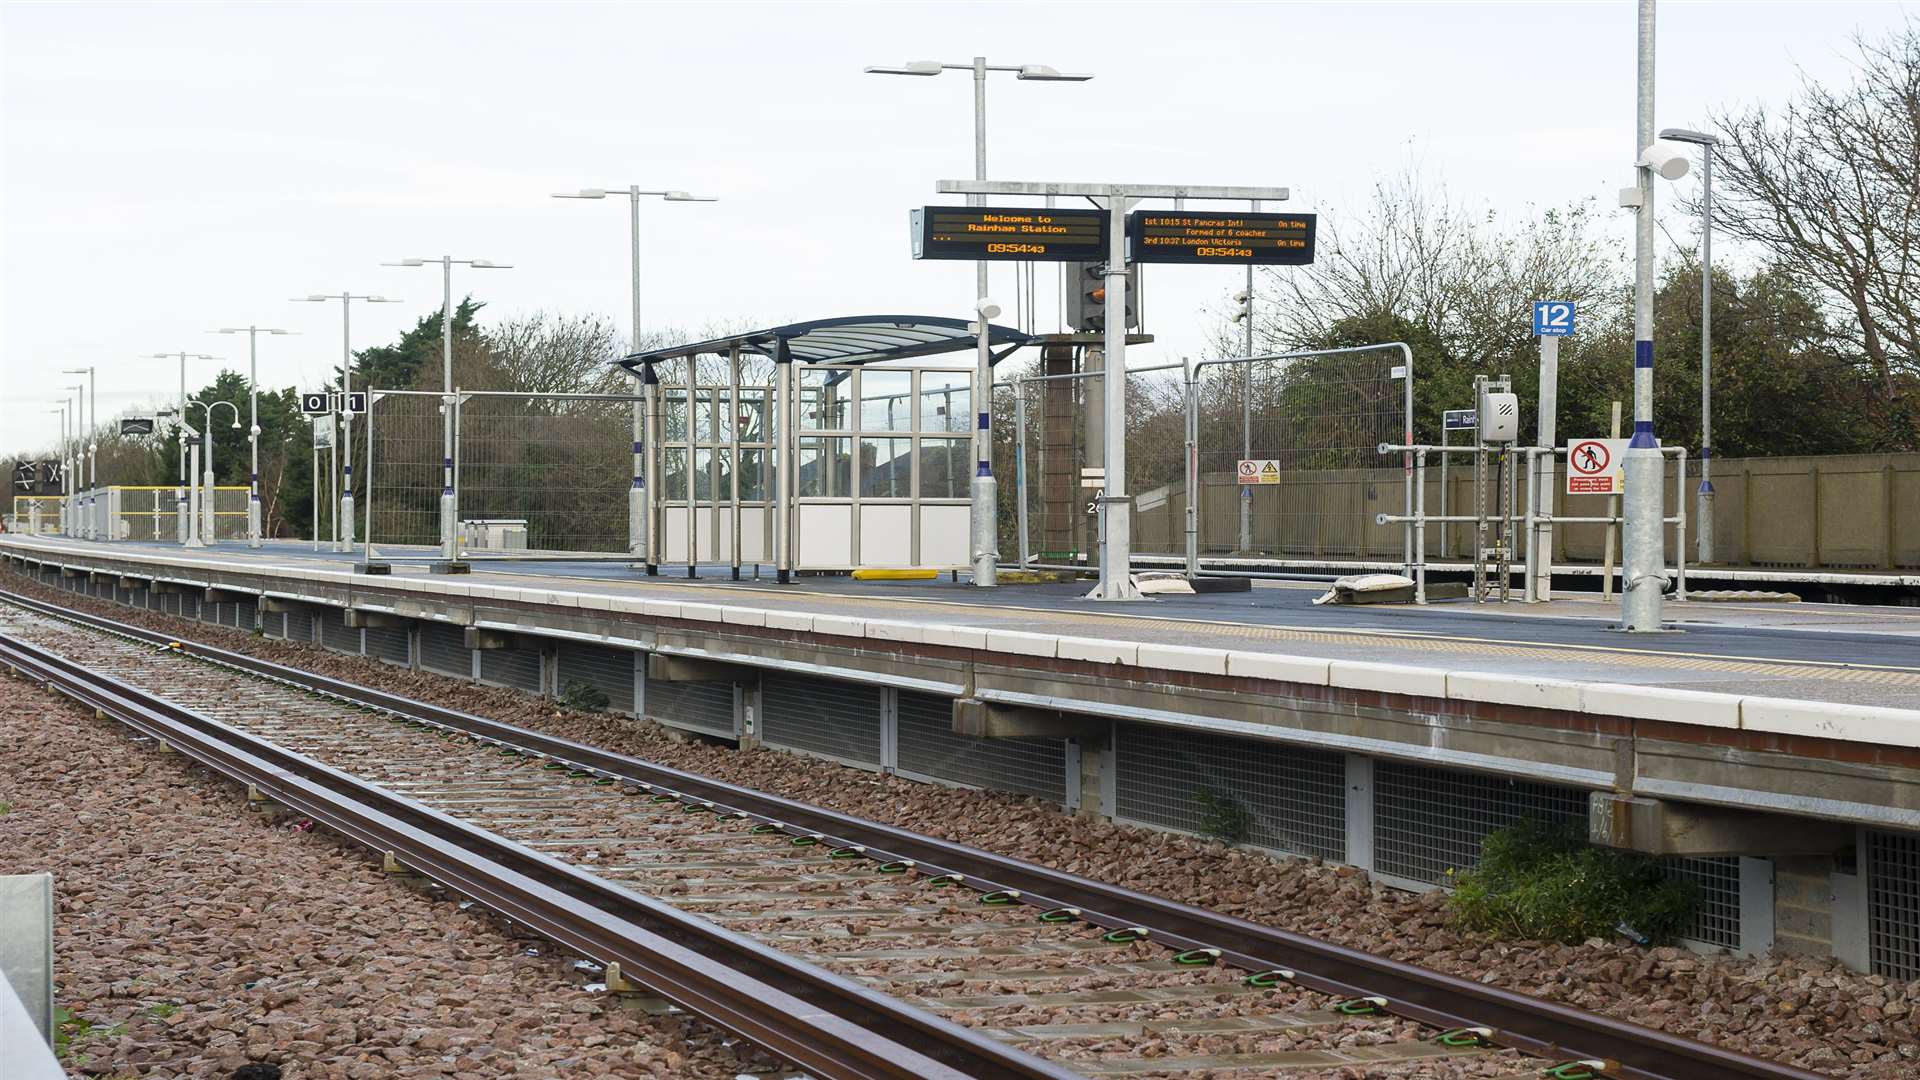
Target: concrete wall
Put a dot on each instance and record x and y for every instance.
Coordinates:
(1855, 511)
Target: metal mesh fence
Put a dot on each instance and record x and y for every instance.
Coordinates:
(1893, 904)
(299, 626)
(517, 669)
(1319, 421)
(610, 671)
(561, 464)
(702, 706)
(928, 748)
(402, 473)
(443, 649)
(390, 644)
(1293, 799)
(1041, 446)
(821, 716)
(335, 634)
(1716, 918)
(1429, 822)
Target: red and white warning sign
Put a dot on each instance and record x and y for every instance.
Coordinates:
(1259, 470)
(1594, 466)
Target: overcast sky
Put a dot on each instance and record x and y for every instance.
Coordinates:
(172, 168)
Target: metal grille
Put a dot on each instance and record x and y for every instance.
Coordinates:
(189, 605)
(609, 671)
(834, 719)
(518, 669)
(389, 644)
(1893, 904)
(210, 611)
(702, 706)
(1295, 799)
(1428, 821)
(299, 626)
(928, 747)
(1716, 918)
(274, 624)
(139, 598)
(246, 614)
(443, 649)
(335, 634)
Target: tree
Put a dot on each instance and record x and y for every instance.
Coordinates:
(1830, 188)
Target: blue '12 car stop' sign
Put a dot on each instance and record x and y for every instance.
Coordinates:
(1552, 318)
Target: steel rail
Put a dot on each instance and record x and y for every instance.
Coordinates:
(819, 1020)
(1545, 1029)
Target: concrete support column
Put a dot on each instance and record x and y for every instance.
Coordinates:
(1360, 812)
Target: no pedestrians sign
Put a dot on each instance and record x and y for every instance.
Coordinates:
(1595, 466)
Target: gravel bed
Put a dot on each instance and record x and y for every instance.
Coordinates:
(1806, 1011)
(438, 767)
(195, 937)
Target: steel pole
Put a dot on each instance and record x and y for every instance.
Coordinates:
(1540, 540)
(193, 515)
(345, 526)
(1116, 540)
(986, 510)
(1704, 501)
(1643, 535)
(253, 437)
(1246, 412)
(637, 537)
(448, 511)
(180, 498)
(93, 432)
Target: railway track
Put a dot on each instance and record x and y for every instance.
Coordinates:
(852, 948)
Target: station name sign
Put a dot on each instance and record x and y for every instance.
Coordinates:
(988, 233)
(1157, 236)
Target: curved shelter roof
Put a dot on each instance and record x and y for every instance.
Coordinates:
(850, 339)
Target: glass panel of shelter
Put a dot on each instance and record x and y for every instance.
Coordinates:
(904, 445)
(705, 435)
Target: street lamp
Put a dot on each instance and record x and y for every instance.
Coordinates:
(1642, 531)
(638, 536)
(985, 501)
(253, 433)
(1703, 498)
(65, 483)
(76, 458)
(206, 519)
(90, 421)
(343, 525)
(448, 507)
(180, 493)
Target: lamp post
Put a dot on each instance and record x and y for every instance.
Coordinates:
(180, 496)
(1243, 314)
(346, 386)
(76, 459)
(206, 517)
(637, 518)
(1643, 531)
(65, 484)
(448, 508)
(1703, 498)
(253, 424)
(985, 500)
(89, 420)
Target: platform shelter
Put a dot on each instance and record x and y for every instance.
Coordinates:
(817, 445)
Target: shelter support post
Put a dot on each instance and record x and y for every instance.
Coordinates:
(783, 470)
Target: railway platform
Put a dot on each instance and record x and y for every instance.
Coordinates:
(1773, 747)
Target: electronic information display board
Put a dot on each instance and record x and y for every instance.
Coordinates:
(987, 233)
(1176, 236)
